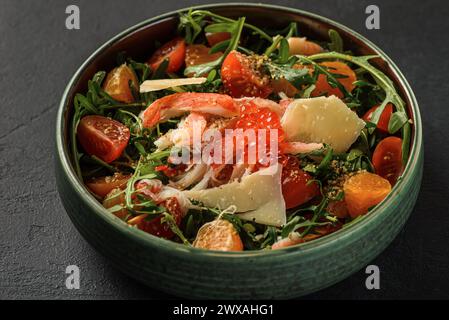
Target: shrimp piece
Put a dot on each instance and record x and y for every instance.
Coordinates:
(291, 240)
(177, 104)
(299, 147)
(194, 124)
(303, 46)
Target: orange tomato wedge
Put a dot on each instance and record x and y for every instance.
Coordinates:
(283, 85)
(117, 84)
(199, 54)
(218, 235)
(217, 37)
(104, 185)
(338, 68)
(363, 191)
(114, 198)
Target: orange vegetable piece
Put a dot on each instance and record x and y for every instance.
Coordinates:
(218, 235)
(104, 185)
(303, 46)
(283, 85)
(199, 54)
(363, 191)
(114, 198)
(217, 37)
(338, 68)
(117, 84)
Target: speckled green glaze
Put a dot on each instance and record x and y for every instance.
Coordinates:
(194, 273)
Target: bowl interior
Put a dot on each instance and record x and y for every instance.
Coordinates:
(138, 42)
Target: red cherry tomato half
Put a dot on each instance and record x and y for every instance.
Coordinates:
(156, 226)
(387, 159)
(240, 78)
(217, 37)
(103, 137)
(382, 124)
(295, 189)
(174, 51)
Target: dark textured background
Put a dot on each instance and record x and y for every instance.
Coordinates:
(37, 58)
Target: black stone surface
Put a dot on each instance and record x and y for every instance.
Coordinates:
(38, 55)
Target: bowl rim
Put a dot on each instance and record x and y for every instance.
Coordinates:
(196, 253)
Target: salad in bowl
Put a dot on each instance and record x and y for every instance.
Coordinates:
(232, 137)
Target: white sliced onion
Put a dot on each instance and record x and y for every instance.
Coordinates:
(205, 181)
(237, 172)
(192, 176)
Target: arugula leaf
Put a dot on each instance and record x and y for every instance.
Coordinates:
(196, 16)
(274, 46)
(299, 222)
(308, 91)
(284, 52)
(170, 221)
(142, 70)
(220, 47)
(332, 78)
(201, 69)
(220, 27)
(292, 30)
(397, 121)
(295, 76)
(191, 24)
(336, 43)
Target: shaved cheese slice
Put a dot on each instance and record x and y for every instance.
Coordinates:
(258, 197)
(161, 84)
(322, 120)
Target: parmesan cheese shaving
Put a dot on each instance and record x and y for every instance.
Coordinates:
(161, 84)
(257, 197)
(322, 120)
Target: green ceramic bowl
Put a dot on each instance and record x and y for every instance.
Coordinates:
(195, 273)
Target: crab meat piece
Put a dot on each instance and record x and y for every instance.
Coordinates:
(177, 104)
(263, 103)
(192, 127)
